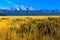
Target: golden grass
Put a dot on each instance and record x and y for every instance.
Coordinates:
(5, 23)
(39, 17)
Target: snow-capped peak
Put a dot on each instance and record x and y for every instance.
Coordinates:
(17, 8)
(8, 8)
(23, 7)
(31, 8)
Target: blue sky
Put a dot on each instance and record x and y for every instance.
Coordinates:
(37, 4)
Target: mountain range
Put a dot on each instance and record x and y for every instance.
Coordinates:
(27, 11)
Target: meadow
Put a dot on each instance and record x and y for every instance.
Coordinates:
(29, 27)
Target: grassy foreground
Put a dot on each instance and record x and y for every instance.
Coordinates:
(29, 27)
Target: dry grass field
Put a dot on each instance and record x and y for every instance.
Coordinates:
(29, 27)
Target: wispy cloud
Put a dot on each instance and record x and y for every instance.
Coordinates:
(9, 2)
(16, 5)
